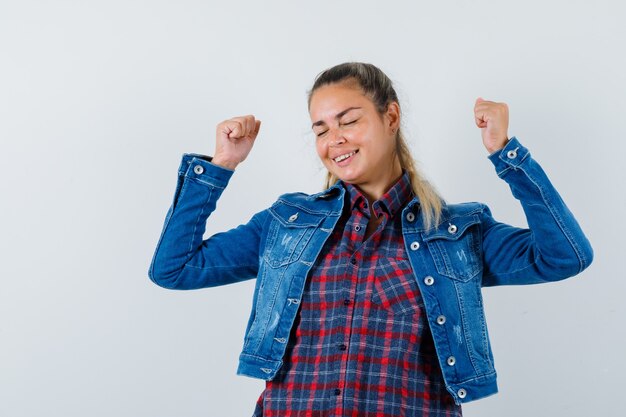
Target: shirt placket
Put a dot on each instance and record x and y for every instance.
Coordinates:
(358, 263)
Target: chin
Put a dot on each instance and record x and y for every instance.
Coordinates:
(348, 178)
(351, 177)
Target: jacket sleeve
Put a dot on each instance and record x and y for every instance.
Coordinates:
(552, 248)
(182, 259)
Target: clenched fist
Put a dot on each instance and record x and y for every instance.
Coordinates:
(493, 119)
(234, 139)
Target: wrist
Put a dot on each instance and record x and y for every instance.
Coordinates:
(225, 163)
(497, 147)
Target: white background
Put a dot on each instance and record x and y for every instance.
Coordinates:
(99, 100)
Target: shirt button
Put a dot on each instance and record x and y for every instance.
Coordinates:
(410, 216)
(198, 169)
(429, 280)
(357, 227)
(451, 360)
(342, 347)
(461, 393)
(353, 261)
(441, 319)
(415, 245)
(338, 391)
(346, 302)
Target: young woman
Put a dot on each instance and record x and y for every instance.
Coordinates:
(368, 294)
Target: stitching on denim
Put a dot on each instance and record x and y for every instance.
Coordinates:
(277, 216)
(262, 358)
(292, 254)
(474, 211)
(270, 238)
(488, 376)
(508, 272)
(465, 324)
(168, 217)
(211, 184)
(248, 336)
(193, 234)
(302, 207)
(218, 266)
(504, 171)
(445, 219)
(473, 256)
(558, 220)
(270, 308)
(526, 156)
(466, 225)
(483, 324)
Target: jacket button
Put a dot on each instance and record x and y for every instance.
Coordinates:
(410, 216)
(512, 154)
(292, 218)
(441, 319)
(198, 169)
(415, 245)
(429, 280)
(461, 393)
(451, 360)
(452, 229)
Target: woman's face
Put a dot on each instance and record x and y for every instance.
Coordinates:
(352, 140)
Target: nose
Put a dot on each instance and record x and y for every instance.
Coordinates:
(337, 138)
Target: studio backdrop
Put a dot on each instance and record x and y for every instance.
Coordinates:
(100, 99)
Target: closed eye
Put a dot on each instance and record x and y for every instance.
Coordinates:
(347, 123)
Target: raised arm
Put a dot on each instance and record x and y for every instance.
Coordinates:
(553, 247)
(182, 259)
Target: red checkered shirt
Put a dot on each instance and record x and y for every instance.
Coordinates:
(360, 345)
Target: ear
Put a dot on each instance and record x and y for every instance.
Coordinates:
(393, 116)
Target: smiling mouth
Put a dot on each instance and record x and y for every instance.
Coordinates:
(344, 156)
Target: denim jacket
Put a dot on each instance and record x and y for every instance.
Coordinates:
(467, 250)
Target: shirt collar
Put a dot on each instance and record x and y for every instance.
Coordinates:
(391, 202)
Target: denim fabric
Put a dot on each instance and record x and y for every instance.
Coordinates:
(468, 249)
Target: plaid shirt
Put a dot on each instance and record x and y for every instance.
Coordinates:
(360, 345)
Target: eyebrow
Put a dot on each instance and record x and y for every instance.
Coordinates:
(337, 116)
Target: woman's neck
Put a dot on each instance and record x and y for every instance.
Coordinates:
(376, 189)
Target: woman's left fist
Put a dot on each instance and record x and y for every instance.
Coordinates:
(493, 119)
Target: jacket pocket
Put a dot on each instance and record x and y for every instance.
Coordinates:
(395, 288)
(289, 233)
(456, 248)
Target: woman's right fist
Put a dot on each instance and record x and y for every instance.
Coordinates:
(234, 139)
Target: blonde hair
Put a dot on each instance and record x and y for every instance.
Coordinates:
(375, 84)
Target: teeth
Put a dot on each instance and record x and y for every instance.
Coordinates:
(345, 156)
